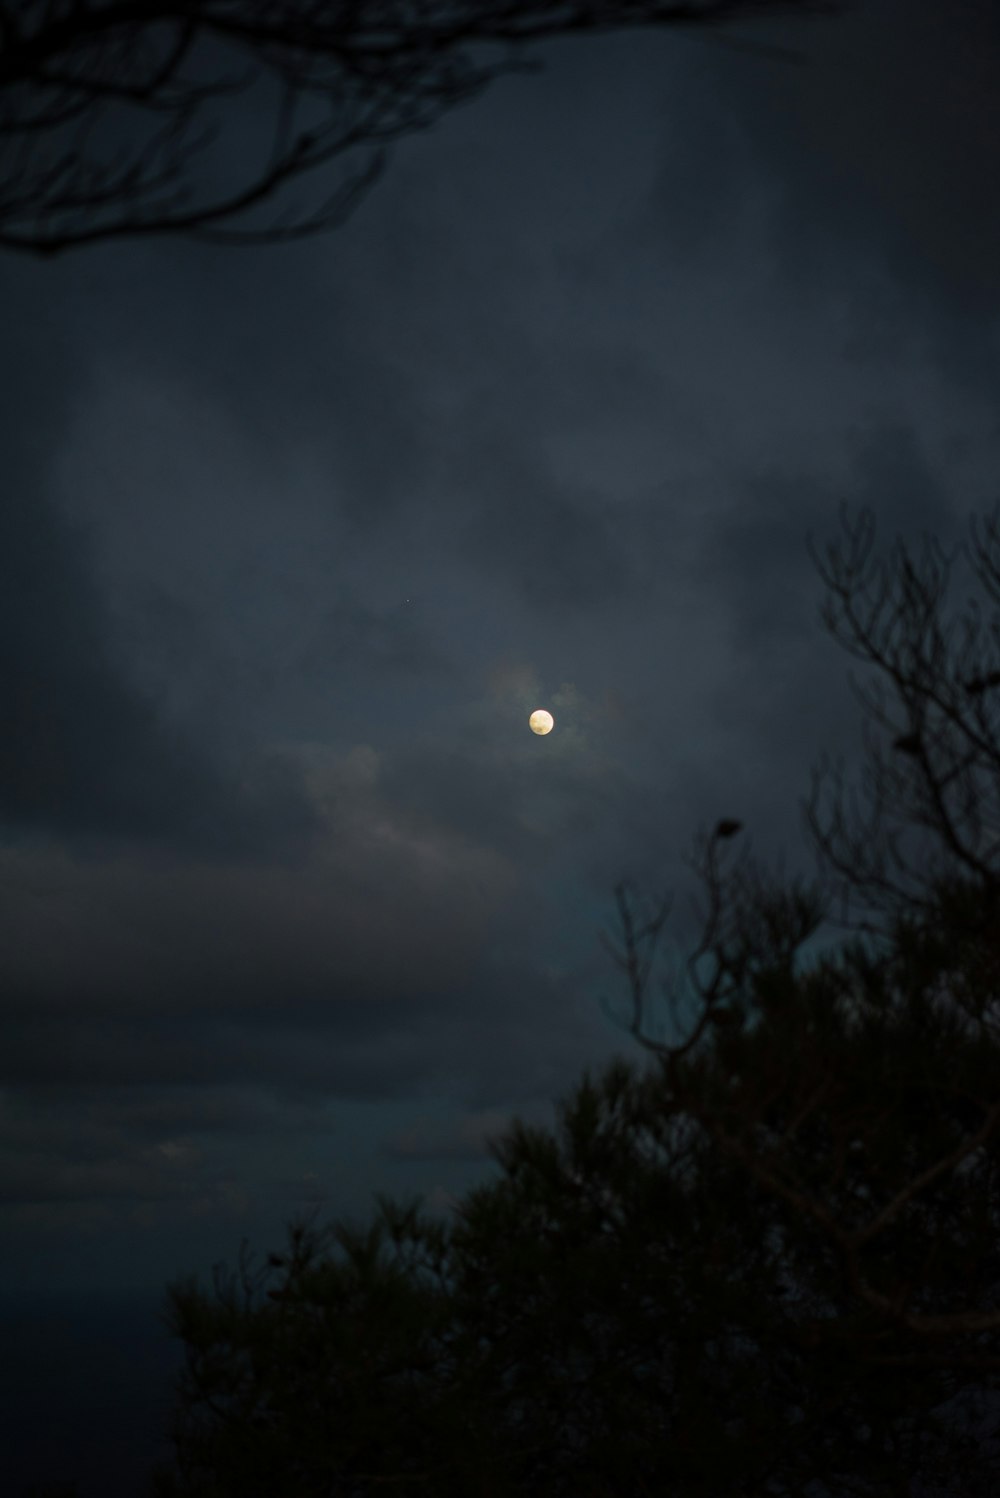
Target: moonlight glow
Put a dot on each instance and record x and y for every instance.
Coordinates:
(541, 721)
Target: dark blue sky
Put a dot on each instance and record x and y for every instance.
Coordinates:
(295, 907)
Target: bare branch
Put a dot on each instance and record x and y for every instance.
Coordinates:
(380, 69)
(870, 1081)
(943, 772)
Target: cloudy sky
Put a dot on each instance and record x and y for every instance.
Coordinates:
(295, 908)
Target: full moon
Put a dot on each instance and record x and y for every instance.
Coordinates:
(541, 721)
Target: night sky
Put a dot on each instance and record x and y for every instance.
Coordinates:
(295, 908)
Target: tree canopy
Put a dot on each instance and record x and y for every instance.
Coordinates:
(106, 106)
(768, 1260)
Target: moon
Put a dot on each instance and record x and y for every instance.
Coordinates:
(541, 721)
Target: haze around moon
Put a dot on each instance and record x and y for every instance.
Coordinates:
(541, 721)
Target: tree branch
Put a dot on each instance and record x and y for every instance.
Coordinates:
(384, 68)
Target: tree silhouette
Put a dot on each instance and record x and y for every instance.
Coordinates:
(932, 803)
(632, 1309)
(106, 104)
(768, 1261)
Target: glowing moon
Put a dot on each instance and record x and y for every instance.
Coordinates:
(541, 721)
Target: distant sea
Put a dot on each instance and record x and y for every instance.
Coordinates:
(85, 1391)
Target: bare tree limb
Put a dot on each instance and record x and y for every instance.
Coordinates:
(869, 1084)
(372, 71)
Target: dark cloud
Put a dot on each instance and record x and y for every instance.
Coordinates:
(385, 903)
(294, 540)
(558, 548)
(753, 556)
(863, 168)
(372, 642)
(86, 756)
